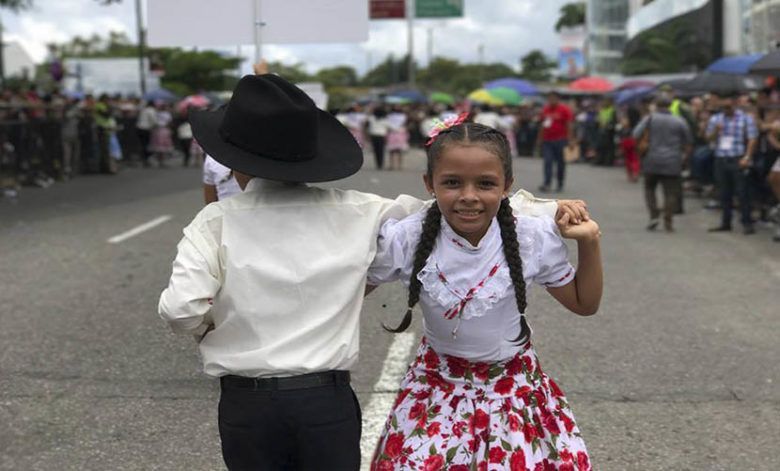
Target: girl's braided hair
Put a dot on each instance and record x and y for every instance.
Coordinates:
(496, 143)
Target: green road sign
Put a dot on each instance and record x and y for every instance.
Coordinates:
(438, 8)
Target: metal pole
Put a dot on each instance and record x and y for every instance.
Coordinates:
(258, 37)
(430, 45)
(2, 56)
(141, 47)
(410, 26)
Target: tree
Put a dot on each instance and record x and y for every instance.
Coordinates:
(670, 49)
(389, 72)
(16, 5)
(293, 73)
(340, 76)
(571, 15)
(536, 66)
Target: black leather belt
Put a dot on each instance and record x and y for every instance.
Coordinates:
(310, 380)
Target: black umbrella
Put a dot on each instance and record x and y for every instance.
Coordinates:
(767, 65)
(722, 83)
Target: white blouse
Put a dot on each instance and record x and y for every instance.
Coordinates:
(467, 296)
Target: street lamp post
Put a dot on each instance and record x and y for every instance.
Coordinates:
(141, 47)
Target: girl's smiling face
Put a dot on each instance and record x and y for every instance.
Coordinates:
(469, 183)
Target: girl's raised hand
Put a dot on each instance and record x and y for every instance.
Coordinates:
(584, 231)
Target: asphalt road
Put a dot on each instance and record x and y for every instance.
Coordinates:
(678, 371)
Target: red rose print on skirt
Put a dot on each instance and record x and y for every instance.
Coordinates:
(434, 463)
(495, 416)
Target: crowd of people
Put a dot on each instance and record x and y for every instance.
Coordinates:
(45, 138)
(56, 137)
(598, 131)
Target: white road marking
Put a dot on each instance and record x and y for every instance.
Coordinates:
(384, 392)
(139, 229)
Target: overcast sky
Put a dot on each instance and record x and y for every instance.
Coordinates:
(508, 29)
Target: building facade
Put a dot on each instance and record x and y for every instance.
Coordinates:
(664, 36)
(606, 26)
(760, 25)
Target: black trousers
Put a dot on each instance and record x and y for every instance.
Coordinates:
(733, 180)
(301, 429)
(671, 189)
(378, 143)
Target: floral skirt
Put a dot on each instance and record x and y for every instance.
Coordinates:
(453, 414)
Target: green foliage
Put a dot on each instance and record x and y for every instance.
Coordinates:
(671, 49)
(389, 72)
(294, 73)
(536, 66)
(571, 15)
(340, 76)
(442, 74)
(16, 5)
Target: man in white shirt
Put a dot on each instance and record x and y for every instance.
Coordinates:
(273, 278)
(147, 120)
(218, 181)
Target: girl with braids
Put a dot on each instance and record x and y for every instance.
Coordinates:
(475, 397)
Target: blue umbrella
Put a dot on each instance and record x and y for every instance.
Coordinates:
(407, 96)
(739, 65)
(523, 87)
(632, 95)
(160, 94)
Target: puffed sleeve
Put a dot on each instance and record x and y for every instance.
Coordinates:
(395, 249)
(553, 256)
(526, 204)
(195, 280)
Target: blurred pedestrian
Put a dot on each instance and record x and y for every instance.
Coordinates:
(670, 143)
(607, 121)
(629, 121)
(184, 138)
(397, 138)
(377, 130)
(734, 134)
(557, 132)
(147, 121)
(218, 181)
(162, 136)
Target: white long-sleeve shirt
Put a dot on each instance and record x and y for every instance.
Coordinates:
(280, 271)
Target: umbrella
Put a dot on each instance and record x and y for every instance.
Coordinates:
(196, 101)
(767, 65)
(722, 83)
(440, 97)
(397, 100)
(632, 95)
(411, 96)
(160, 94)
(734, 64)
(483, 96)
(635, 84)
(522, 87)
(507, 95)
(591, 84)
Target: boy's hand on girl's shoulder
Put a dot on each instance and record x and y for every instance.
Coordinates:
(571, 212)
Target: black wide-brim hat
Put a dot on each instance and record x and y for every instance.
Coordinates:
(272, 129)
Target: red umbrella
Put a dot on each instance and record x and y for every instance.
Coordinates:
(591, 84)
(196, 101)
(631, 84)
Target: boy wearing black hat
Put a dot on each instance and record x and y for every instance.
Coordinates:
(284, 265)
